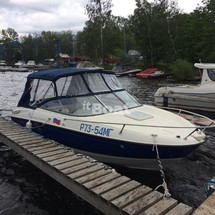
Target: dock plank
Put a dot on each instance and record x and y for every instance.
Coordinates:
(131, 196)
(34, 138)
(110, 185)
(101, 180)
(181, 209)
(85, 171)
(161, 208)
(44, 149)
(77, 167)
(143, 203)
(63, 159)
(70, 163)
(93, 176)
(207, 207)
(32, 143)
(55, 157)
(120, 190)
(48, 154)
(14, 132)
(37, 145)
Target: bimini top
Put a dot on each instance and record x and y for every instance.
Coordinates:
(54, 74)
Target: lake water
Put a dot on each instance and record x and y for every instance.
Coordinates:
(24, 189)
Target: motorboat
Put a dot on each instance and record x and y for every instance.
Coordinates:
(150, 73)
(129, 73)
(89, 111)
(20, 64)
(31, 63)
(200, 97)
(121, 69)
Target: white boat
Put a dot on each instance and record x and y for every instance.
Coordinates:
(3, 63)
(124, 69)
(130, 72)
(199, 97)
(31, 63)
(20, 64)
(88, 110)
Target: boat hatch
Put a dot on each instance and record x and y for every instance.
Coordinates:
(137, 115)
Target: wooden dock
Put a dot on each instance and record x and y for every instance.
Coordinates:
(104, 188)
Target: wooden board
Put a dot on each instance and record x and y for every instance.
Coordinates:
(112, 184)
(131, 196)
(161, 207)
(93, 176)
(143, 203)
(63, 159)
(57, 156)
(82, 165)
(86, 171)
(120, 190)
(101, 180)
(181, 209)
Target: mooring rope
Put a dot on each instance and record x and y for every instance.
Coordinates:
(166, 193)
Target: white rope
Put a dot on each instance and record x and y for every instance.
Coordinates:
(166, 193)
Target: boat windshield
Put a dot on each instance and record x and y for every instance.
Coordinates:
(81, 95)
(211, 74)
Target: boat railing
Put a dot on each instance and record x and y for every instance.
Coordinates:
(209, 123)
(195, 118)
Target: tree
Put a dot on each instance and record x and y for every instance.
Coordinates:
(10, 44)
(151, 24)
(99, 12)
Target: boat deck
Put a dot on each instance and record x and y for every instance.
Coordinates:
(101, 186)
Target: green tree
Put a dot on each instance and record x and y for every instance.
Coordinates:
(10, 42)
(151, 24)
(99, 12)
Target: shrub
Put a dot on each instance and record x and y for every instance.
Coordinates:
(182, 70)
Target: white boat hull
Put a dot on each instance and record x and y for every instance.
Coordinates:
(172, 97)
(131, 141)
(193, 97)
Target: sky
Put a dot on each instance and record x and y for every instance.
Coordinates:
(33, 16)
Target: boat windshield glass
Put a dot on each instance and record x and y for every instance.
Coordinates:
(112, 81)
(130, 102)
(71, 86)
(78, 106)
(96, 82)
(211, 74)
(88, 95)
(41, 90)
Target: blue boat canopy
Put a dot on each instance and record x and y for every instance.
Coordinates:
(77, 92)
(54, 74)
